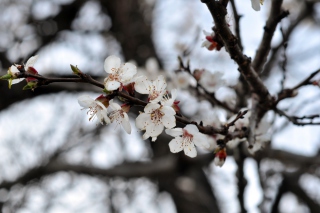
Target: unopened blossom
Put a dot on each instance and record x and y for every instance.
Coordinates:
(256, 4)
(211, 41)
(211, 81)
(119, 116)
(220, 157)
(186, 139)
(154, 119)
(96, 108)
(156, 89)
(28, 67)
(12, 76)
(119, 74)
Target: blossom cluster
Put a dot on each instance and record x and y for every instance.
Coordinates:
(159, 112)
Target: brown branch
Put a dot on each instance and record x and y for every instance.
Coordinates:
(305, 11)
(295, 119)
(218, 12)
(84, 78)
(287, 93)
(275, 16)
(237, 18)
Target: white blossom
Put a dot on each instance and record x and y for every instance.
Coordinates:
(119, 75)
(96, 109)
(181, 80)
(156, 89)
(186, 139)
(155, 118)
(119, 116)
(211, 81)
(256, 4)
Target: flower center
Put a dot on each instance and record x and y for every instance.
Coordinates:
(154, 93)
(156, 116)
(116, 115)
(93, 111)
(187, 137)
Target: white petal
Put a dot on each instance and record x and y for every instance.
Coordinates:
(13, 70)
(111, 63)
(142, 85)
(126, 124)
(168, 110)
(151, 107)
(190, 150)
(175, 145)
(85, 101)
(17, 80)
(112, 85)
(174, 132)
(145, 136)
(128, 71)
(169, 121)
(31, 61)
(160, 83)
(154, 129)
(218, 162)
(206, 33)
(255, 4)
(191, 129)
(143, 120)
(201, 140)
(114, 106)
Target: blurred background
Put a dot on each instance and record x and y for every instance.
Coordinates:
(54, 160)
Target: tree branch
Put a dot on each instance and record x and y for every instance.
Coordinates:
(275, 16)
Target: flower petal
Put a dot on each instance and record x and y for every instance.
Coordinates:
(143, 120)
(128, 71)
(190, 150)
(142, 85)
(112, 63)
(174, 132)
(31, 62)
(160, 83)
(85, 101)
(201, 140)
(154, 129)
(126, 123)
(151, 107)
(112, 85)
(169, 121)
(176, 145)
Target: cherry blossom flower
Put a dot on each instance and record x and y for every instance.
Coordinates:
(181, 80)
(186, 139)
(119, 115)
(96, 108)
(256, 4)
(119, 75)
(211, 42)
(211, 81)
(154, 119)
(155, 89)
